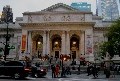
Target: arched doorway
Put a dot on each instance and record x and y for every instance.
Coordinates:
(56, 46)
(38, 45)
(74, 46)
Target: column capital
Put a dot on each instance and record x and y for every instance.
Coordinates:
(48, 31)
(68, 31)
(82, 31)
(45, 31)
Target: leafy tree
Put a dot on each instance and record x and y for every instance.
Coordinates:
(112, 46)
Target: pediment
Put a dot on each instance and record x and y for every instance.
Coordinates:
(60, 7)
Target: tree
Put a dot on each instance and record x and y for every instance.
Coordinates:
(112, 46)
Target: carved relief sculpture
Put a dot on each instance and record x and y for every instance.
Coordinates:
(66, 18)
(29, 19)
(46, 17)
(82, 17)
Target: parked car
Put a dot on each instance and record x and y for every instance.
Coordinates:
(15, 69)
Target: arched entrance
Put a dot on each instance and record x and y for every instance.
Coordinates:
(56, 46)
(74, 46)
(37, 46)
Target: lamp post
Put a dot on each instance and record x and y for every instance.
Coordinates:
(6, 51)
(61, 57)
(7, 17)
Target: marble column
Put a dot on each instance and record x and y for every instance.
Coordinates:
(29, 42)
(48, 42)
(63, 43)
(82, 43)
(29, 50)
(44, 43)
(67, 43)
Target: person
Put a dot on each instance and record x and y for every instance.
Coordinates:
(89, 69)
(57, 72)
(107, 73)
(78, 69)
(68, 70)
(53, 70)
(63, 71)
(95, 71)
(114, 71)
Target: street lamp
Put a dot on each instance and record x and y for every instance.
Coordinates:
(63, 58)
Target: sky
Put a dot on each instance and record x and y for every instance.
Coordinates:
(21, 6)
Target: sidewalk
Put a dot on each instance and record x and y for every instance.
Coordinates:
(84, 76)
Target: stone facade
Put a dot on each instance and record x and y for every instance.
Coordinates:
(60, 29)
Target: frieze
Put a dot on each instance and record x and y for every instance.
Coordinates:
(55, 18)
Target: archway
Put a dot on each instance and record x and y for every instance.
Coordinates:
(56, 45)
(38, 45)
(74, 46)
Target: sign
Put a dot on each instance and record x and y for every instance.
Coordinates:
(23, 43)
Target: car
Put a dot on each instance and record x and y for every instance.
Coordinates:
(15, 69)
(38, 71)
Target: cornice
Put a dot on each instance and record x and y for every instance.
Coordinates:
(57, 24)
(56, 12)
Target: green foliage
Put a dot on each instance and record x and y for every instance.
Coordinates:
(112, 46)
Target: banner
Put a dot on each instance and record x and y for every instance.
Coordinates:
(89, 44)
(23, 42)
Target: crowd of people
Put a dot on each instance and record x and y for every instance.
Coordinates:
(59, 70)
(56, 71)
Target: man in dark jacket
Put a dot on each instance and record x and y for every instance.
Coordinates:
(95, 71)
(53, 70)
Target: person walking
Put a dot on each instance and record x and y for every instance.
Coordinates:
(53, 70)
(94, 71)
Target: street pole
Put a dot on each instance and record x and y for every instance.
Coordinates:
(6, 45)
(6, 51)
(62, 66)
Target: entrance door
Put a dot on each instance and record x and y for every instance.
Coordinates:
(56, 54)
(74, 57)
(73, 54)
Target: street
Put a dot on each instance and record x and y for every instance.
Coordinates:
(73, 77)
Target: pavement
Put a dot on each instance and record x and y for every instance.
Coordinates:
(84, 76)
(72, 77)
